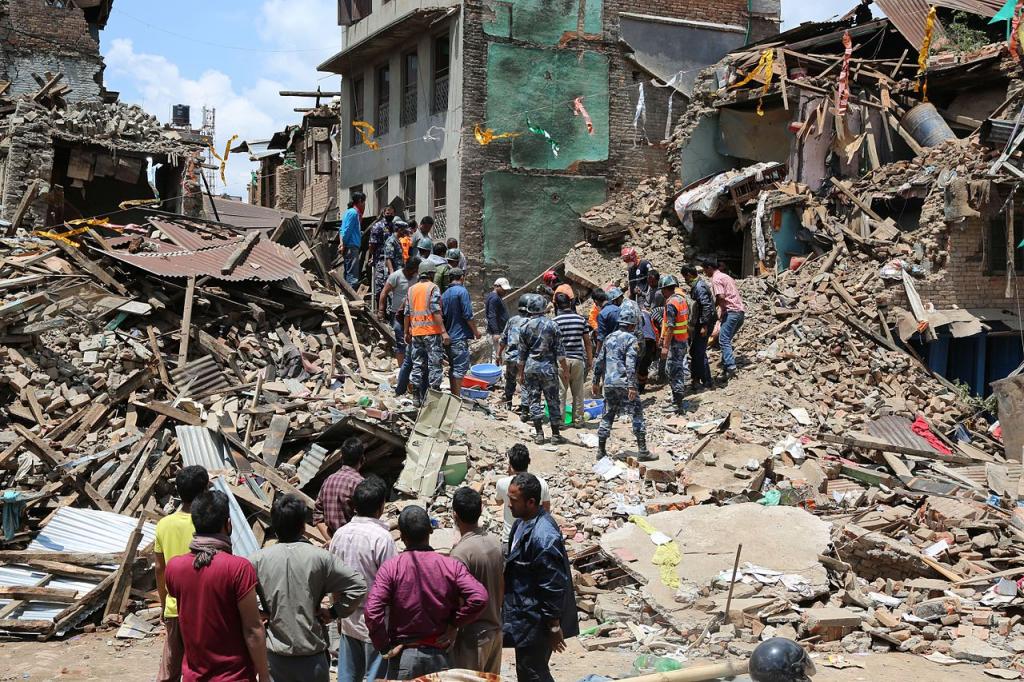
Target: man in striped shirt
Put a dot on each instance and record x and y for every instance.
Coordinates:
(578, 354)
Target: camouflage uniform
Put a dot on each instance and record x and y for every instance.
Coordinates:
(616, 365)
(510, 339)
(540, 347)
(678, 365)
(427, 352)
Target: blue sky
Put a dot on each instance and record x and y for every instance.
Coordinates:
(185, 52)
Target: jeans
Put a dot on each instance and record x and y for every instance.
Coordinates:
(359, 660)
(700, 368)
(731, 324)
(315, 668)
(532, 663)
(398, 326)
(458, 358)
(350, 254)
(414, 662)
(405, 373)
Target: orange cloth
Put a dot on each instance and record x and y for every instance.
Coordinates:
(681, 328)
(406, 243)
(421, 320)
(565, 289)
(592, 320)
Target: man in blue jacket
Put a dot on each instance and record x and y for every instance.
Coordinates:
(352, 237)
(539, 610)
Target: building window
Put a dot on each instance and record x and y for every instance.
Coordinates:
(439, 198)
(996, 251)
(442, 67)
(383, 100)
(408, 179)
(324, 162)
(380, 193)
(357, 109)
(410, 90)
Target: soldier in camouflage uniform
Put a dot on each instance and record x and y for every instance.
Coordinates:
(540, 357)
(508, 352)
(675, 346)
(424, 331)
(616, 368)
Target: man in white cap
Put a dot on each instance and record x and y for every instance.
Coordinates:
(497, 314)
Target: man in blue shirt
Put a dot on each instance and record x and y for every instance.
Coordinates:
(497, 314)
(352, 237)
(608, 318)
(457, 311)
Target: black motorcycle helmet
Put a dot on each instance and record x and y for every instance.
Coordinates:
(780, 660)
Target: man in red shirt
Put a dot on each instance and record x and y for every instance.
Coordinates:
(217, 610)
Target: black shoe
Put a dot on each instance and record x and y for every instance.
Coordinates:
(602, 448)
(728, 375)
(643, 454)
(539, 438)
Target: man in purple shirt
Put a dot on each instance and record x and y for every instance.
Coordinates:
(419, 601)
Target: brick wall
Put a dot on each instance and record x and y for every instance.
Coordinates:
(315, 197)
(628, 161)
(36, 37)
(29, 157)
(286, 188)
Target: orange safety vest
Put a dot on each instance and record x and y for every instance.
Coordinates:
(681, 330)
(421, 320)
(406, 243)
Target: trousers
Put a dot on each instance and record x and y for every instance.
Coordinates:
(731, 324)
(173, 654)
(427, 357)
(535, 385)
(532, 663)
(577, 376)
(511, 379)
(315, 668)
(478, 648)
(700, 368)
(358, 661)
(414, 662)
(678, 366)
(616, 401)
(350, 255)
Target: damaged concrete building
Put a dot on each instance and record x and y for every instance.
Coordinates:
(432, 78)
(68, 148)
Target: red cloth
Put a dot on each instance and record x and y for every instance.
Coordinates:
(210, 625)
(920, 427)
(334, 503)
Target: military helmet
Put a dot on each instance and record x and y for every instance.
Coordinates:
(536, 305)
(780, 660)
(614, 293)
(524, 302)
(628, 315)
(454, 255)
(667, 282)
(427, 269)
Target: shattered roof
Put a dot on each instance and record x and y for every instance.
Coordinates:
(249, 216)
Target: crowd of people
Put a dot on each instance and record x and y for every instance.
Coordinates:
(419, 286)
(396, 615)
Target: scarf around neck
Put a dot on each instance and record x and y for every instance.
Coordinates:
(205, 546)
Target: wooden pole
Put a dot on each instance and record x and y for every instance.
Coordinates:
(186, 322)
(732, 582)
(1011, 248)
(699, 673)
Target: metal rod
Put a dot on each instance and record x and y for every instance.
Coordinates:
(732, 583)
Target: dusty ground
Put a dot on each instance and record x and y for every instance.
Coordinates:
(96, 657)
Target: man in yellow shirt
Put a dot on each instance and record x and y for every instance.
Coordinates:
(173, 536)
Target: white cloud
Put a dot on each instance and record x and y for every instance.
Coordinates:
(248, 107)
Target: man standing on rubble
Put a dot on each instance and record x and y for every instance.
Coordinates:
(608, 318)
(463, 264)
(675, 339)
(217, 607)
(173, 535)
(418, 602)
(497, 313)
(702, 323)
(352, 237)
(518, 463)
(636, 273)
(616, 369)
(578, 353)
(333, 508)
(425, 334)
(457, 311)
(393, 253)
(541, 356)
(540, 606)
(478, 645)
(508, 354)
(730, 313)
(391, 307)
(380, 232)
(295, 576)
(365, 544)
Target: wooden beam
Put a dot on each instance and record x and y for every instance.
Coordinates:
(882, 446)
(309, 93)
(123, 576)
(11, 556)
(26, 200)
(186, 321)
(92, 268)
(149, 483)
(170, 412)
(845, 189)
(354, 337)
(155, 345)
(51, 595)
(240, 253)
(54, 459)
(272, 445)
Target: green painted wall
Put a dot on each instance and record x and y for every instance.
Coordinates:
(530, 221)
(545, 83)
(541, 22)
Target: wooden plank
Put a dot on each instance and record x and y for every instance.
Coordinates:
(123, 576)
(50, 595)
(92, 268)
(882, 446)
(280, 482)
(140, 466)
(354, 337)
(249, 426)
(26, 201)
(155, 345)
(33, 404)
(18, 625)
(73, 612)
(845, 189)
(240, 253)
(272, 445)
(62, 568)
(54, 459)
(149, 483)
(170, 412)
(122, 470)
(186, 322)
(11, 556)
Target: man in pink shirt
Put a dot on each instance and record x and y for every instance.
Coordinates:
(418, 602)
(730, 312)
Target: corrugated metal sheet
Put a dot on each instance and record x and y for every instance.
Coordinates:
(266, 262)
(71, 530)
(200, 376)
(201, 446)
(89, 530)
(896, 431)
(243, 542)
(908, 16)
(184, 237)
(312, 461)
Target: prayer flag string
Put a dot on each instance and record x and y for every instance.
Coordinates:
(537, 130)
(366, 131)
(580, 110)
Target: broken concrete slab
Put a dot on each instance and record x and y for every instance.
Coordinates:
(974, 650)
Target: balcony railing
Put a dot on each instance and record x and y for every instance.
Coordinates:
(440, 231)
(410, 107)
(440, 103)
(383, 123)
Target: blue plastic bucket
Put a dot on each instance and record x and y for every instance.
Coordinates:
(485, 372)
